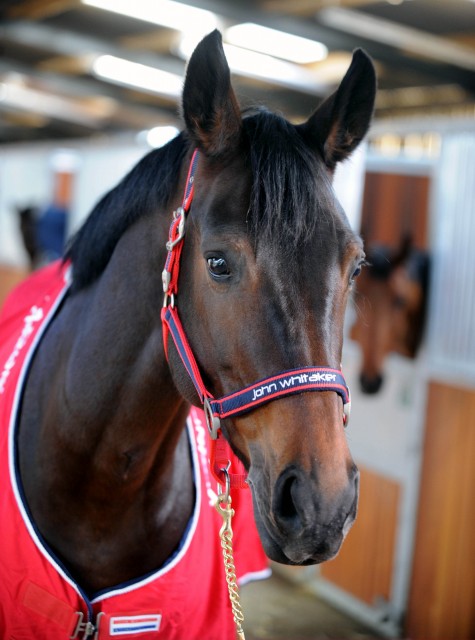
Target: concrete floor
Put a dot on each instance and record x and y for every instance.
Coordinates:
(278, 609)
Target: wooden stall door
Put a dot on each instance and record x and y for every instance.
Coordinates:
(442, 596)
(394, 206)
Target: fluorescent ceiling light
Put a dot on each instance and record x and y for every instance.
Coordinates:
(158, 136)
(276, 43)
(263, 67)
(257, 64)
(134, 74)
(167, 13)
(279, 72)
(194, 23)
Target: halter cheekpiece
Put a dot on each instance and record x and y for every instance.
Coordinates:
(283, 384)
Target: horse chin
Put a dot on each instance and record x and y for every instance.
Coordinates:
(296, 554)
(301, 551)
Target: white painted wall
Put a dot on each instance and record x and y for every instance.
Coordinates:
(348, 184)
(26, 178)
(102, 167)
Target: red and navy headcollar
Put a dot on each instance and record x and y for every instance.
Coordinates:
(283, 384)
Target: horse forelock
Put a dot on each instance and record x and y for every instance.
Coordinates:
(291, 191)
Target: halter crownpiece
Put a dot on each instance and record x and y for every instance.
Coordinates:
(277, 386)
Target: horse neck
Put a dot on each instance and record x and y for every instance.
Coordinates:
(102, 424)
(118, 403)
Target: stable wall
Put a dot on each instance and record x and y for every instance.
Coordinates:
(26, 178)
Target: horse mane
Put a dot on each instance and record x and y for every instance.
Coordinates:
(148, 186)
(285, 204)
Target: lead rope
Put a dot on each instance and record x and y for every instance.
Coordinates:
(223, 507)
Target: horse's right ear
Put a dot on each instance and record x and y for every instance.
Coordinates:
(342, 120)
(210, 107)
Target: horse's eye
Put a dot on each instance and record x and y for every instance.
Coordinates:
(218, 267)
(356, 272)
(399, 302)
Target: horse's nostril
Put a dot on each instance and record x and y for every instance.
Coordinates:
(371, 384)
(287, 506)
(287, 512)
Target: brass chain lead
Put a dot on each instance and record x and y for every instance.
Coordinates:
(223, 506)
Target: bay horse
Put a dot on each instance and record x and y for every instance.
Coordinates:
(391, 298)
(102, 465)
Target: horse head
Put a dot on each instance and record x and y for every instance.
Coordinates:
(392, 298)
(267, 268)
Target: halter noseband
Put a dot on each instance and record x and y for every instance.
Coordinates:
(283, 384)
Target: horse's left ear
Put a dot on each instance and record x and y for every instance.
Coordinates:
(210, 107)
(340, 123)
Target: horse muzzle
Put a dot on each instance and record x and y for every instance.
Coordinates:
(371, 384)
(299, 524)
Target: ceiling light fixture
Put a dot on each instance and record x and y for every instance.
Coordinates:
(158, 136)
(276, 43)
(264, 67)
(259, 65)
(167, 13)
(134, 74)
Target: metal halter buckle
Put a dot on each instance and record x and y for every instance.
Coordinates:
(179, 213)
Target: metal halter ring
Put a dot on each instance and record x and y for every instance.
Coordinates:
(212, 422)
(347, 409)
(227, 483)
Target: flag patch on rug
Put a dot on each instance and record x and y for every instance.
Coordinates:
(122, 625)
